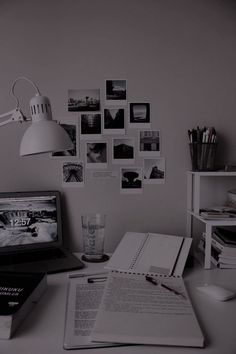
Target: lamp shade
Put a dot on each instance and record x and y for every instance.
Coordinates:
(43, 137)
(44, 134)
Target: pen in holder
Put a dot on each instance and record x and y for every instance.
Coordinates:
(203, 156)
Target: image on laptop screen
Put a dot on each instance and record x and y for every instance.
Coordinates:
(28, 220)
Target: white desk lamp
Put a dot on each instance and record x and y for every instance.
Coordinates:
(44, 134)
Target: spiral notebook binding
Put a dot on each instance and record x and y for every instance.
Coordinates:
(147, 273)
(134, 260)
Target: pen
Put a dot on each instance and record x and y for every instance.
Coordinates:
(96, 280)
(202, 135)
(172, 290)
(190, 136)
(82, 275)
(151, 280)
(154, 282)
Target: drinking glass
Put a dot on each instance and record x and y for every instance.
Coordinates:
(93, 231)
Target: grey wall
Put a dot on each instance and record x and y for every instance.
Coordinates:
(178, 55)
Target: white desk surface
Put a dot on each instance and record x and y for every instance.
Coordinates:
(42, 331)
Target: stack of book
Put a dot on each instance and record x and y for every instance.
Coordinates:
(223, 250)
(218, 213)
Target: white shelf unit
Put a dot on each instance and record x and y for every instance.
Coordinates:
(197, 200)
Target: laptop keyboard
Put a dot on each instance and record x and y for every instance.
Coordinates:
(33, 256)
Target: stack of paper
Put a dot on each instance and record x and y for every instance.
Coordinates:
(135, 311)
(142, 301)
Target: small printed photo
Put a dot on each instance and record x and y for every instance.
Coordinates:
(139, 115)
(154, 170)
(149, 143)
(131, 180)
(116, 92)
(83, 100)
(123, 151)
(114, 121)
(72, 131)
(91, 126)
(96, 154)
(73, 174)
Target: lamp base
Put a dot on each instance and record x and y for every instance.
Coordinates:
(104, 258)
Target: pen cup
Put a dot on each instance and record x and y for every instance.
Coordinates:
(93, 231)
(203, 156)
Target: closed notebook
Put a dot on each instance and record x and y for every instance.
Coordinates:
(136, 311)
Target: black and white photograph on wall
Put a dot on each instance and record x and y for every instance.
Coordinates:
(73, 174)
(154, 170)
(96, 154)
(90, 126)
(123, 151)
(139, 115)
(72, 131)
(131, 180)
(83, 100)
(114, 121)
(116, 92)
(149, 143)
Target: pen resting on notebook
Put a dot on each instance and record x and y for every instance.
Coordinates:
(154, 282)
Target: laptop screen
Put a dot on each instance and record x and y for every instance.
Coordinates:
(29, 220)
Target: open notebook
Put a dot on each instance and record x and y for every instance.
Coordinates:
(149, 252)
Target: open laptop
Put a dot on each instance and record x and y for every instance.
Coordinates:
(31, 233)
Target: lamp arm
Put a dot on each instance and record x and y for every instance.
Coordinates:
(14, 84)
(15, 116)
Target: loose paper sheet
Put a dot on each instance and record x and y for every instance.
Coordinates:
(83, 300)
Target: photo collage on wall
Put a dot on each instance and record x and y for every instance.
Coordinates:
(102, 144)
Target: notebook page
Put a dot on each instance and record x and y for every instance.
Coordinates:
(159, 254)
(127, 251)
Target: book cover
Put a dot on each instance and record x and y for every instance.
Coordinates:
(18, 294)
(221, 247)
(218, 258)
(227, 235)
(227, 266)
(218, 213)
(227, 260)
